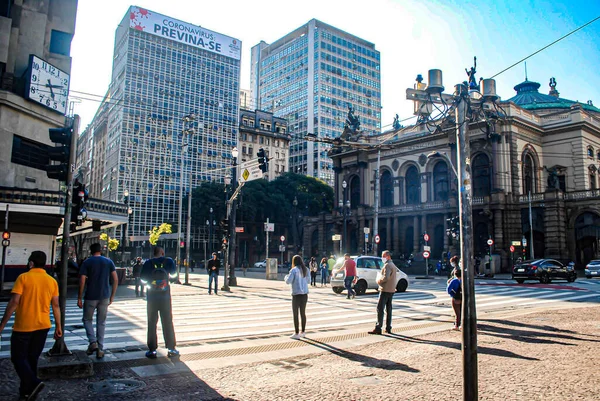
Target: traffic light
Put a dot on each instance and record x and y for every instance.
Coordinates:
(263, 160)
(182, 244)
(224, 225)
(224, 244)
(6, 238)
(61, 153)
(78, 199)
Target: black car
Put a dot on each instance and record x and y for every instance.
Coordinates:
(543, 270)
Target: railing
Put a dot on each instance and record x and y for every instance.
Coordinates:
(534, 198)
(578, 195)
(481, 200)
(55, 198)
(414, 207)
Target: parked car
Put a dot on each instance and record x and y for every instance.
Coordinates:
(543, 270)
(367, 268)
(593, 269)
(261, 265)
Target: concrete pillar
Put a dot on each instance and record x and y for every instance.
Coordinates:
(361, 239)
(415, 234)
(555, 225)
(396, 243)
(401, 196)
(388, 234)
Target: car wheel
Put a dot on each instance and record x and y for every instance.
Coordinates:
(545, 279)
(520, 281)
(571, 279)
(402, 285)
(361, 287)
(338, 290)
(588, 276)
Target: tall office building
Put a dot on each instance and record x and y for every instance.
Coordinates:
(165, 70)
(311, 77)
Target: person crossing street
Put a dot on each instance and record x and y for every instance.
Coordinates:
(386, 280)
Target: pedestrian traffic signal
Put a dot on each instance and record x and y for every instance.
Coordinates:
(225, 243)
(78, 200)
(182, 244)
(61, 153)
(6, 235)
(263, 160)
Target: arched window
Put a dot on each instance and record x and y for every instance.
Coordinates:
(387, 189)
(590, 152)
(413, 186)
(592, 172)
(598, 155)
(528, 174)
(482, 185)
(354, 192)
(440, 182)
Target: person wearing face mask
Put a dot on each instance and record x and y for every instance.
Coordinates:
(387, 288)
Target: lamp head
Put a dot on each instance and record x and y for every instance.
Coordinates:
(234, 152)
(126, 193)
(344, 184)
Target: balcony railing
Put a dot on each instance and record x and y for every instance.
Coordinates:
(539, 197)
(439, 205)
(579, 195)
(36, 197)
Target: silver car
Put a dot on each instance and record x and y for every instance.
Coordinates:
(367, 268)
(593, 269)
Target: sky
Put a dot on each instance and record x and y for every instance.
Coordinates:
(412, 37)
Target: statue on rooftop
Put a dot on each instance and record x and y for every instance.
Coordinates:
(471, 74)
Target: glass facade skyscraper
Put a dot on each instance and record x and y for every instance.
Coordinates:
(163, 71)
(311, 77)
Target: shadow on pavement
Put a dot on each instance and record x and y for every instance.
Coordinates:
(457, 346)
(529, 336)
(363, 359)
(531, 326)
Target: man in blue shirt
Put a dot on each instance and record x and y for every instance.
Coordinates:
(156, 274)
(96, 271)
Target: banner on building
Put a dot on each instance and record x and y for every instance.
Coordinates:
(157, 24)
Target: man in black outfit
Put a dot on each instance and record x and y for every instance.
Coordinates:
(213, 272)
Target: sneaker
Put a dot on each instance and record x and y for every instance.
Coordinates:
(209, 293)
(375, 331)
(295, 336)
(302, 334)
(93, 347)
(173, 353)
(151, 354)
(36, 391)
(353, 296)
(388, 331)
(456, 328)
(99, 353)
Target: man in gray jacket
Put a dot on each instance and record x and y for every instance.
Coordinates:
(387, 289)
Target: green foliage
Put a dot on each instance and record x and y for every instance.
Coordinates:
(156, 232)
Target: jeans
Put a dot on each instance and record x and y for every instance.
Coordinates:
(89, 307)
(25, 350)
(139, 286)
(299, 305)
(348, 284)
(160, 304)
(385, 301)
(313, 278)
(323, 277)
(213, 276)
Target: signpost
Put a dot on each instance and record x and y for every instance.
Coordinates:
(250, 171)
(490, 243)
(337, 237)
(269, 227)
(512, 254)
(426, 254)
(282, 247)
(377, 239)
(366, 230)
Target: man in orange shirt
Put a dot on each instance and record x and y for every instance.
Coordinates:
(32, 295)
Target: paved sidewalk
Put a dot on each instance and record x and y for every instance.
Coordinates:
(548, 355)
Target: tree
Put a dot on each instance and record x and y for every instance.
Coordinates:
(111, 243)
(156, 232)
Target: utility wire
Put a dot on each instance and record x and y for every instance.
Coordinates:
(547, 46)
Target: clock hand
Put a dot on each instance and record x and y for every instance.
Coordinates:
(49, 85)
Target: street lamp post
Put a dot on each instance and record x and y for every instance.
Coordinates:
(186, 132)
(232, 215)
(344, 206)
(467, 102)
(210, 224)
(124, 228)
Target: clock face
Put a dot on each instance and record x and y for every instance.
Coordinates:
(48, 85)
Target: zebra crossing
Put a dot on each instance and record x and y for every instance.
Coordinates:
(248, 313)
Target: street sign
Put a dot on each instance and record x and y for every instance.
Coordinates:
(516, 243)
(336, 237)
(282, 238)
(524, 241)
(366, 230)
(239, 229)
(427, 248)
(270, 227)
(490, 242)
(281, 248)
(426, 237)
(512, 248)
(377, 239)
(250, 171)
(426, 255)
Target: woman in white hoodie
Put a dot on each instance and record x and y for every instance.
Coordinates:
(298, 278)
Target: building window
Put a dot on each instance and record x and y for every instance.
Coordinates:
(261, 140)
(387, 189)
(590, 152)
(482, 184)
(29, 153)
(354, 192)
(244, 149)
(413, 186)
(60, 43)
(592, 181)
(598, 155)
(528, 174)
(440, 182)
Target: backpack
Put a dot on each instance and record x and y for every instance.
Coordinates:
(159, 279)
(458, 294)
